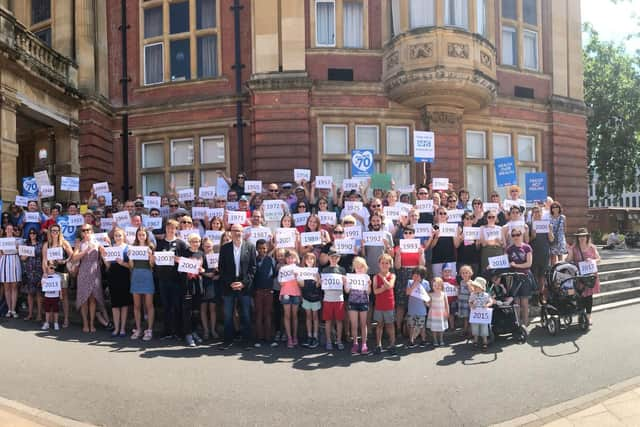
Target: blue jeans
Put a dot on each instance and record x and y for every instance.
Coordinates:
(244, 310)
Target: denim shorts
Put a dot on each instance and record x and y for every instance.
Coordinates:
(358, 306)
(290, 299)
(311, 305)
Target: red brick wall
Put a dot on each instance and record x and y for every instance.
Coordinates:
(365, 68)
(97, 160)
(507, 81)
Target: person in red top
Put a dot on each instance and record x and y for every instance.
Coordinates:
(384, 313)
(55, 211)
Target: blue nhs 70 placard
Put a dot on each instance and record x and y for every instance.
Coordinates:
(361, 163)
(29, 187)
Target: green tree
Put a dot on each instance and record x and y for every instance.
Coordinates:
(612, 94)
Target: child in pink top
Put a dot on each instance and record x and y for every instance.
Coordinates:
(290, 297)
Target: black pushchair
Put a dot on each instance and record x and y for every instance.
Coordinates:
(506, 313)
(565, 285)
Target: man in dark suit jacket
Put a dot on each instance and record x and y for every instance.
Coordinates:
(237, 266)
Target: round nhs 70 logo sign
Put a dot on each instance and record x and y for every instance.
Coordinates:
(361, 163)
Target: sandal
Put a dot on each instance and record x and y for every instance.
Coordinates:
(148, 335)
(484, 347)
(135, 335)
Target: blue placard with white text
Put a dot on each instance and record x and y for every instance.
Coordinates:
(29, 187)
(505, 171)
(361, 163)
(535, 186)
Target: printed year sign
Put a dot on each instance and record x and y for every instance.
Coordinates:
(358, 282)
(424, 205)
(301, 174)
(51, 284)
(236, 217)
(327, 217)
(287, 273)
(186, 195)
(492, 233)
(541, 227)
(373, 238)
(29, 251)
(75, 220)
(164, 258)
(188, 265)
(471, 233)
(454, 215)
(198, 212)
(497, 262)
(31, 217)
(331, 281)
(54, 254)
(310, 238)
(420, 292)
(253, 186)
(207, 192)
(448, 230)
(112, 253)
(409, 245)
(324, 182)
(212, 260)
(391, 212)
(140, 253)
(130, 234)
(152, 202)
(440, 183)
(344, 246)
(122, 218)
(307, 273)
(481, 316)
(450, 290)
(422, 230)
(106, 223)
(352, 206)
(285, 237)
(300, 219)
(353, 232)
(258, 233)
(587, 267)
(47, 191)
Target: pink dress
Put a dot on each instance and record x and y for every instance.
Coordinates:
(437, 319)
(89, 278)
(577, 257)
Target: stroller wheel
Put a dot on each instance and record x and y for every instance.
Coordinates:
(567, 320)
(583, 321)
(522, 334)
(553, 326)
(543, 317)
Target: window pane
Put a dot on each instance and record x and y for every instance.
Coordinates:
(481, 17)
(40, 11)
(477, 181)
(526, 149)
(325, 23)
(456, 13)
(206, 14)
(335, 139)
(153, 67)
(153, 22)
(501, 145)
(180, 60)
(530, 11)
(181, 152)
(398, 140)
(336, 169)
(207, 56)
(476, 147)
(530, 46)
(401, 173)
(422, 13)
(509, 9)
(45, 36)
(521, 172)
(367, 138)
(179, 17)
(395, 17)
(208, 177)
(212, 149)
(153, 155)
(509, 46)
(153, 182)
(353, 28)
(182, 180)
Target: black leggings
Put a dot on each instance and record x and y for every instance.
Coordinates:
(587, 303)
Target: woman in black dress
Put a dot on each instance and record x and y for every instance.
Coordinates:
(118, 278)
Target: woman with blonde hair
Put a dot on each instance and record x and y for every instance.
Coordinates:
(56, 240)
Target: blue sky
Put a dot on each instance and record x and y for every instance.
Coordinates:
(614, 21)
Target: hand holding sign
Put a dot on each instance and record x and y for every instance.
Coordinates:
(498, 262)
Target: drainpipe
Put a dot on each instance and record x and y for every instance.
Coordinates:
(73, 30)
(125, 100)
(238, 66)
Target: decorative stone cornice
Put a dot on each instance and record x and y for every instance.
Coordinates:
(279, 81)
(568, 105)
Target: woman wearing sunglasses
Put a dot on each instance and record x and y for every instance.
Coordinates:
(491, 240)
(56, 240)
(89, 293)
(520, 259)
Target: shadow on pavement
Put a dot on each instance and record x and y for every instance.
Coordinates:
(554, 346)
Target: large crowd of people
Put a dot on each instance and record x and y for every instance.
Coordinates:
(280, 264)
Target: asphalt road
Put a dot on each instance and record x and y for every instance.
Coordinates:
(114, 383)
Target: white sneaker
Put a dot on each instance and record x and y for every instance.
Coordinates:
(45, 326)
(56, 327)
(15, 315)
(8, 315)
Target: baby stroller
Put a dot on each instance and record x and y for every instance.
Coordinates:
(506, 313)
(565, 285)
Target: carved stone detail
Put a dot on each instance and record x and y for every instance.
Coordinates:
(485, 58)
(421, 50)
(443, 119)
(393, 59)
(458, 50)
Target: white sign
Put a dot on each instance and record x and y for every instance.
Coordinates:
(165, 258)
(24, 250)
(286, 238)
(32, 217)
(353, 232)
(350, 184)
(214, 235)
(232, 206)
(327, 217)
(215, 213)
(454, 215)
(481, 316)
(300, 219)
(42, 178)
(102, 239)
(331, 281)
(471, 233)
(75, 220)
(108, 198)
(253, 186)
(106, 223)
(130, 234)
(184, 234)
(487, 206)
(138, 253)
(352, 206)
(408, 189)
(47, 191)
(198, 212)
(100, 188)
(306, 273)
(419, 292)
(373, 238)
(287, 273)
(450, 290)
(345, 246)
(391, 212)
(508, 204)
(70, 183)
(424, 205)
(440, 184)
(493, 233)
(257, 233)
(222, 187)
(152, 202)
(405, 208)
(188, 265)
(272, 214)
(236, 217)
(541, 227)
(113, 253)
(409, 246)
(54, 254)
(152, 222)
(212, 260)
(498, 262)
(424, 145)
(300, 174)
(273, 204)
(324, 182)
(422, 230)
(51, 284)
(22, 201)
(587, 267)
(122, 218)
(207, 193)
(8, 244)
(310, 238)
(358, 282)
(448, 230)
(186, 195)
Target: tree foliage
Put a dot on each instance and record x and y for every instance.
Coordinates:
(612, 94)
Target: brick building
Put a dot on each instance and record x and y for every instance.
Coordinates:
(299, 83)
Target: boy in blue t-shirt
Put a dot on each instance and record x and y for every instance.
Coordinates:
(417, 306)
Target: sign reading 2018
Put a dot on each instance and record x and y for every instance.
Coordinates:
(361, 163)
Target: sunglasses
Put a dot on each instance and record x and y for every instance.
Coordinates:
(491, 216)
(301, 206)
(338, 232)
(422, 193)
(477, 204)
(32, 232)
(55, 231)
(273, 191)
(516, 234)
(408, 231)
(442, 213)
(375, 206)
(154, 214)
(186, 222)
(173, 206)
(86, 230)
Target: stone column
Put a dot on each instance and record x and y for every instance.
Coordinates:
(85, 45)
(62, 14)
(8, 149)
(67, 157)
(446, 123)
